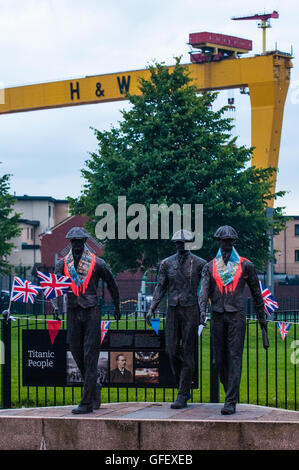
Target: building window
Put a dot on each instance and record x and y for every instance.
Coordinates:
(296, 230)
(32, 233)
(296, 255)
(28, 233)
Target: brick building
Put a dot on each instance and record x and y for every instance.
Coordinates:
(286, 245)
(53, 244)
(53, 248)
(38, 214)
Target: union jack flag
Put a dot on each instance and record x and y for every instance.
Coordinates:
(23, 291)
(284, 328)
(270, 304)
(104, 328)
(54, 285)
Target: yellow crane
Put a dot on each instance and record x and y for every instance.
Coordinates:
(267, 77)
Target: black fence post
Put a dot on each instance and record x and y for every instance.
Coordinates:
(214, 380)
(249, 308)
(6, 367)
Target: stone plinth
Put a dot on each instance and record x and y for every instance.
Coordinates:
(150, 426)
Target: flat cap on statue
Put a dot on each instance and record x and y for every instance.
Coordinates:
(182, 236)
(226, 231)
(77, 232)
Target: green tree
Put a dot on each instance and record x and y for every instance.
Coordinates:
(170, 147)
(9, 227)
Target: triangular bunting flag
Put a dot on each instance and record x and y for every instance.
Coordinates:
(155, 322)
(284, 328)
(104, 328)
(53, 328)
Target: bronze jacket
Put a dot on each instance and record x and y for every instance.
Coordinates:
(90, 297)
(180, 281)
(230, 300)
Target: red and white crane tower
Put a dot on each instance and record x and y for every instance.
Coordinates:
(264, 19)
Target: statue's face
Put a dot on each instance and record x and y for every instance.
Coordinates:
(226, 244)
(180, 246)
(78, 245)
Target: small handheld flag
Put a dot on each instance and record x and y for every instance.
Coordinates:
(270, 304)
(23, 291)
(104, 328)
(54, 285)
(200, 328)
(284, 328)
(155, 322)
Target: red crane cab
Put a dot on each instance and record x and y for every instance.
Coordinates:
(215, 47)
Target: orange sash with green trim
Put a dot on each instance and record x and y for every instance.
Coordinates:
(229, 288)
(80, 277)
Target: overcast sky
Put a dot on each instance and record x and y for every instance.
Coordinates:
(47, 40)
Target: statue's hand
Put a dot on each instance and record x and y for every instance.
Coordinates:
(117, 312)
(5, 314)
(149, 316)
(56, 314)
(202, 319)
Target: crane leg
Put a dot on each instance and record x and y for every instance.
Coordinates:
(267, 105)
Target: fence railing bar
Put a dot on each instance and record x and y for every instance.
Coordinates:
(201, 378)
(285, 373)
(295, 370)
(257, 363)
(267, 378)
(248, 362)
(276, 375)
(28, 394)
(19, 362)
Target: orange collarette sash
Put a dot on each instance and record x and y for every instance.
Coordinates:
(230, 288)
(77, 290)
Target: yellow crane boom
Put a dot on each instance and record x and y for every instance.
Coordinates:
(266, 76)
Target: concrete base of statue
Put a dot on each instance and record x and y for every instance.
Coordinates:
(150, 426)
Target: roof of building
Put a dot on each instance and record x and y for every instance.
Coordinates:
(25, 197)
(62, 222)
(34, 223)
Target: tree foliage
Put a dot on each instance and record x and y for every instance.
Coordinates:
(171, 147)
(9, 227)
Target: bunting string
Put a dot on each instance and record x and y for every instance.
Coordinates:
(131, 315)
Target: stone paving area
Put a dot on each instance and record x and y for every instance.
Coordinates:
(160, 411)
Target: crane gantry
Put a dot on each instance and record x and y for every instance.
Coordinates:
(267, 77)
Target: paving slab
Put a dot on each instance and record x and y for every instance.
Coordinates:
(151, 426)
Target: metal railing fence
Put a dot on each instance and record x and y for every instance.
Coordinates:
(269, 377)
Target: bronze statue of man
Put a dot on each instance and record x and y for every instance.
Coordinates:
(223, 282)
(85, 270)
(179, 276)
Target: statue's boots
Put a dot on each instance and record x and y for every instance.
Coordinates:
(97, 398)
(228, 409)
(82, 409)
(181, 401)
